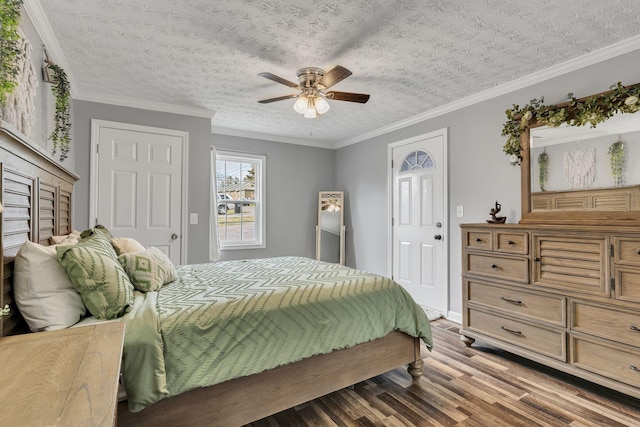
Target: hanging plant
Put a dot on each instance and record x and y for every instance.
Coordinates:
(61, 135)
(543, 169)
(576, 112)
(9, 46)
(616, 157)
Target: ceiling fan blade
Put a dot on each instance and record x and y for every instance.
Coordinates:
(278, 79)
(334, 75)
(280, 98)
(348, 96)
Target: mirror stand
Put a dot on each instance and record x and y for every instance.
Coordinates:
(330, 229)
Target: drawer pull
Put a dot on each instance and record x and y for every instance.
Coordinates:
(634, 368)
(511, 331)
(638, 252)
(537, 259)
(494, 266)
(478, 239)
(514, 301)
(511, 242)
(634, 328)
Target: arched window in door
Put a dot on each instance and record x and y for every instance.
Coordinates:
(417, 160)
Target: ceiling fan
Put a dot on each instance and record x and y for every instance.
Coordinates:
(312, 84)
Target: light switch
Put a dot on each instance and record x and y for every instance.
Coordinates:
(193, 218)
(459, 211)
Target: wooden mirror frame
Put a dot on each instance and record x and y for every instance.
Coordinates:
(581, 217)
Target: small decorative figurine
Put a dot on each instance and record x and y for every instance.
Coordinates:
(496, 219)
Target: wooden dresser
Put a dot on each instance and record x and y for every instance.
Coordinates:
(61, 378)
(561, 295)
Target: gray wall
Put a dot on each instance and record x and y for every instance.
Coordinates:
(295, 174)
(479, 173)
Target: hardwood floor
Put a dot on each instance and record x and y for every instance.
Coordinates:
(477, 386)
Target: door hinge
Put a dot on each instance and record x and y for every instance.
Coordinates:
(96, 222)
(612, 282)
(393, 221)
(97, 148)
(391, 164)
(611, 250)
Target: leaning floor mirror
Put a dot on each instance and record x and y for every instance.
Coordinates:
(330, 228)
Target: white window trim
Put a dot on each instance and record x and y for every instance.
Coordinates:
(261, 174)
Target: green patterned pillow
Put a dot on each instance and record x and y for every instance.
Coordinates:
(93, 267)
(149, 269)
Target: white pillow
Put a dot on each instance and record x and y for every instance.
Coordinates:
(44, 294)
(124, 245)
(55, 240)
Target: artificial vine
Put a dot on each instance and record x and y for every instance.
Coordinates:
(9, 46)
(61, 135)
(543, 169)
(576, 112)
(616, 156)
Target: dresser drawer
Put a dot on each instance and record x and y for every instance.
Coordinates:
(518, 303)
(546, 341)
(627, 285)
(498, 267)
(512, 242)
(619, 362)
(627, 250)
(478, 240)
(606, 322)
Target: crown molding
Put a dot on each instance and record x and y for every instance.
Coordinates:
(35, 13)
(124, 101)
(272, 138)
(592, 58)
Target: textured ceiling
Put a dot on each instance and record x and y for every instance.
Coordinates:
(411, 56)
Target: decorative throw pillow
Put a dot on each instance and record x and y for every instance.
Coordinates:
(94, 270)
(44, 294)
(124, 245)
(148, 270)
(56, 240)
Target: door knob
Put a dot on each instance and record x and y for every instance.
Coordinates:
(174, 236)
(437, 237)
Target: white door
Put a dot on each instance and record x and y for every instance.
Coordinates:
(419, 218)
(139, 184)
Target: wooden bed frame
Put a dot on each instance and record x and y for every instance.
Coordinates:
(36, 194)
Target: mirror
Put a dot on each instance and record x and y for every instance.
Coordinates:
(330, 228)
(567, 175)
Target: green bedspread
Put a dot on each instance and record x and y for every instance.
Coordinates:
(229, 319)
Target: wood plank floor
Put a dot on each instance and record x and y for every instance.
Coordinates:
(477, 386)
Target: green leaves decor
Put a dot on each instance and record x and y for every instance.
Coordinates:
(543, 169)
(617, 159)
(61, 135)
(9, 46)
(576, 112)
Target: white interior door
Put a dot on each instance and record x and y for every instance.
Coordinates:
(419, 218)
(138, 184)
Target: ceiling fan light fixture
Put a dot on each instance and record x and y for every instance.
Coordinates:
(311, 112)
(301, 104)
(322, 106)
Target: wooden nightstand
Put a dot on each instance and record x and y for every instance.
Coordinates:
(61, 378)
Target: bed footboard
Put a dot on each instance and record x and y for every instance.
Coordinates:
(244, 400)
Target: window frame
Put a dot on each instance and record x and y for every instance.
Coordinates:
(259, 198)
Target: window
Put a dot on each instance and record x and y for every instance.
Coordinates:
(240, 185)
(417, 160)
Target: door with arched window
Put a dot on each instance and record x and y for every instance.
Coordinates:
(419, 218)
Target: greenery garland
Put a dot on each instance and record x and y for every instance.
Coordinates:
(543, 167)
(616, 156)
(61, 135)
(576, 112)
(9, 46)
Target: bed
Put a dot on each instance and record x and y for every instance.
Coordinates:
(254, 384)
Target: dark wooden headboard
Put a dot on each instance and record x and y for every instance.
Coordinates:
(36, 194)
